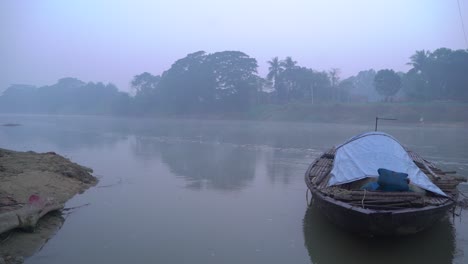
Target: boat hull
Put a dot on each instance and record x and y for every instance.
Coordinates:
(369, 222)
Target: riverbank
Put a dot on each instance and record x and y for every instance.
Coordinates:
(342, 113)
(441, 112)
(31, 184)
(452, 113)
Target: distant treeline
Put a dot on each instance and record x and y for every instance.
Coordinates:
(67, 96)
(227, 81)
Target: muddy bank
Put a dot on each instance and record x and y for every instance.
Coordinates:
(32, 184)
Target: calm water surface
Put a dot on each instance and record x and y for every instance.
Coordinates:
(181, 191)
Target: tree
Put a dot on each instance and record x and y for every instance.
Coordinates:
(299, 81)
(320, 88)
(67, 96)
(344, 90)
(304, 84)
(438, 75)
(234, 77)
(187, 85)
(419, 60)
(387, 83)
(274, 71)
(334, 74)
(415, 86)
(287, 78)
(288, 63)
(19, 98)
(209, 82)
(145, 83)
(363, 86)
(446, 74)
(147, 96)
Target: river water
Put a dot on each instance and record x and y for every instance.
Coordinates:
(191, 191)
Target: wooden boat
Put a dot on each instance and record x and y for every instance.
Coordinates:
(376, 212)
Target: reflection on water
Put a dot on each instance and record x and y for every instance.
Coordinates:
(328, 244)
(59, 137)
(19, 243)
(283, 165)
(203, 165)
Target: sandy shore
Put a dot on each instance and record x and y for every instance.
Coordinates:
(49, 176)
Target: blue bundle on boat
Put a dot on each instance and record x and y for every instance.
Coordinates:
(391, 181)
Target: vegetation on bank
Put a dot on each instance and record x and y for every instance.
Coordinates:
(419, 112)
(227, 84)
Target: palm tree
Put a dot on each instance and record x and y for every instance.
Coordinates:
(288, 77)
(288, 63)
(419, 60)
(274, 70)
(275, 74)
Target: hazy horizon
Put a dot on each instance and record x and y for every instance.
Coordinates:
(111, 41)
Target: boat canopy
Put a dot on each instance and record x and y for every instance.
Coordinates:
(364, 154)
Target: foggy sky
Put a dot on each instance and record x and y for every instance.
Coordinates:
(112, 40)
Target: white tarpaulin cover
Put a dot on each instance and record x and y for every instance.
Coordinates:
(363, 155)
